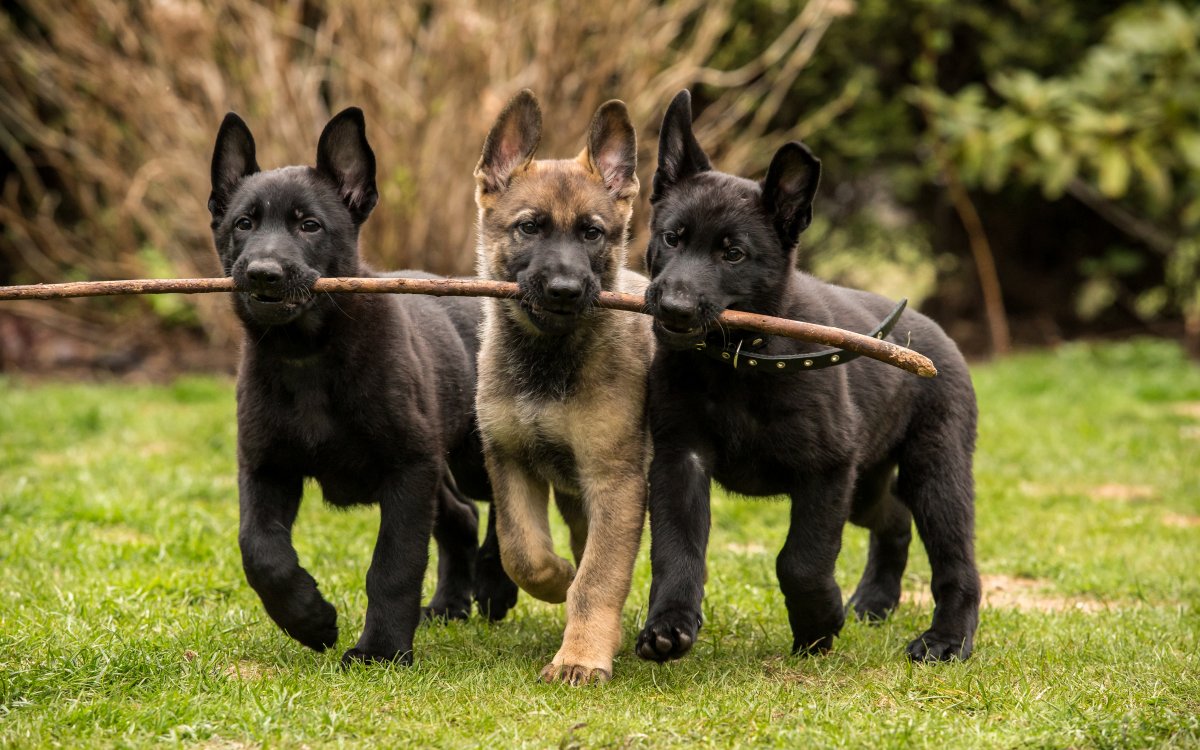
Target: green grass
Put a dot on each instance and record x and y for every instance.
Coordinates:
(125, 620)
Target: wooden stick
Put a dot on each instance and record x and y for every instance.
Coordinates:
(884, 351)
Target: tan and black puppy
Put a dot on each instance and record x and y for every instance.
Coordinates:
(562, 383)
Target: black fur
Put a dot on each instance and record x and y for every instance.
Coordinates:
(370, 395)
(549, 364)
(832, 439)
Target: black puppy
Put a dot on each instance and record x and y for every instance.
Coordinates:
(370, 395)
(737, 408)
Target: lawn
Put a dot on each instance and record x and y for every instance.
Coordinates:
(125, 619)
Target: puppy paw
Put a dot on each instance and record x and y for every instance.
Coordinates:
(668, 636)
(495, 596)
(812, 646)
(872, 603)
(319, 631)
(934, 647)
(816, 638)
(575, 675)
(816, 619)
(358, 655)
(444, 612)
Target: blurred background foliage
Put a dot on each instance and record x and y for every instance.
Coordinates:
(1024, 171)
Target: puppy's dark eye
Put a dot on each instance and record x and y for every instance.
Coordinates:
(671, 238)
(310, 226)
(244, 224)
(592, 234)
(734, 254)
(528, 227)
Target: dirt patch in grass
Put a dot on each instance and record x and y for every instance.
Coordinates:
(1031, 595)
(1181, 521)
(1121, 492)
(247, 670)
(776, 668)
(220, 743)
(1019, 593)
(1187, 409)
(1110, 491)
(752, 548)
(122, 534)
(1191, 410)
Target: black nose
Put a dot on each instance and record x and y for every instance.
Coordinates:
(264, 272)
(676, 312)
(564, 290)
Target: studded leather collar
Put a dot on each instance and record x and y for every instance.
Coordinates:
(744, 352)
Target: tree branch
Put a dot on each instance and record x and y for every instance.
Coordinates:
(883, 351)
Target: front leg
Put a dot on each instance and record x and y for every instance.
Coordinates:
(406, 510)
(521, 503)
(615, 506)
(268, 503)
(806, 563)
(680, 488)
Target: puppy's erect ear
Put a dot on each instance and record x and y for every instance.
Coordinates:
(679, 154)
(233, 159)
(789, 188)
(510, 144)
(612, 150)
(344, 156)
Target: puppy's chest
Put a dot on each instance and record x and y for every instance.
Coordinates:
(321, 432)
(761, 430)
(536, 432)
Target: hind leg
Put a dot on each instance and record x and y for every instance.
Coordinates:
(456, 531)
(890, 523)
(575, 515)
(806, 563)
(937, 485)
(495, 592)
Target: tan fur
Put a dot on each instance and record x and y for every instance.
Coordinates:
(601, 421)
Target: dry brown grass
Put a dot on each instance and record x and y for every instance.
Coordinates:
(110, 110)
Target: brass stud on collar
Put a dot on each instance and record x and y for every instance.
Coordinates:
(753, 362)
(834, 358)
(701, 345)
(808, 363)
(725, 355)
(780, 365)
(756, 342)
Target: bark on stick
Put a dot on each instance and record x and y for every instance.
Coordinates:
(883, 351)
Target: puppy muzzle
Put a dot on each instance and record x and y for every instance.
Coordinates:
(557, 304)
(273, 293)
(678, 320)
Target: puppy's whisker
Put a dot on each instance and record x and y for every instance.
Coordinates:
(724, 332)
(339, 307)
